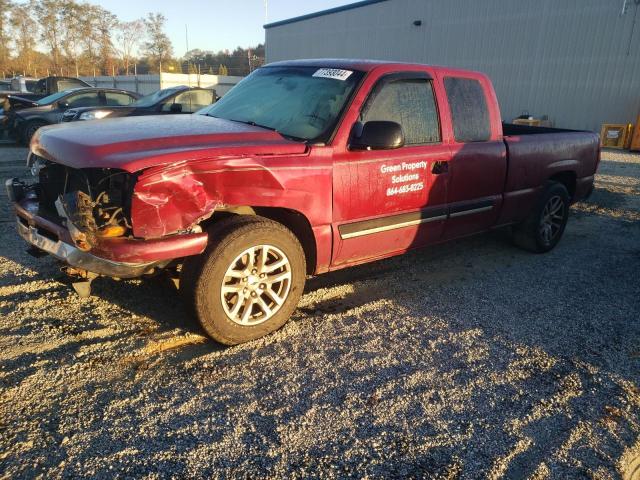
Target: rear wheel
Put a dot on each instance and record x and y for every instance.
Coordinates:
(249, 280)
(542, 229)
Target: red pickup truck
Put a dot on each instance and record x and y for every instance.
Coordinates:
(303, 168)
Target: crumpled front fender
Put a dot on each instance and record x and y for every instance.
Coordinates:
(174, 199)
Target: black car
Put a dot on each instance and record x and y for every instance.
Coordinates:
(180, 99)
(25, 122)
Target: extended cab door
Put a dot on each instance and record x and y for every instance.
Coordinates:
(387, 201)
(478, 164)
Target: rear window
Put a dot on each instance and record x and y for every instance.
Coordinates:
(469, 111)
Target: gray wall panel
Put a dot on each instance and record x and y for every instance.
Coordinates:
(568, 59)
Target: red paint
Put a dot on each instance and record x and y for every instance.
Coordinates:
(189, 166)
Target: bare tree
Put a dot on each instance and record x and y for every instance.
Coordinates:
(49, 14)
(129, 37)
(72, 14)
(5, 8)
(107, 23)
(158, 48)
(25, 31)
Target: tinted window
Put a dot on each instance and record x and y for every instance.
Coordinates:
(118, 99)
(191, 101)
(469, 111)
(409, 103)
(85, 99)
(41, 86)
(69, 83)
(31, 86)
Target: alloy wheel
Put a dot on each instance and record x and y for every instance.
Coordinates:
(552, 219)
(256, 285)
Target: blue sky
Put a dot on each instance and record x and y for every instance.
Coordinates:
(216, 24)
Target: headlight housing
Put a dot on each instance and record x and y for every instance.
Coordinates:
(94, 114)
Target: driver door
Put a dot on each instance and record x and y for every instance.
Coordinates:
(388, 201)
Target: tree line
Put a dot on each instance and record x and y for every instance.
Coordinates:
(80, 39)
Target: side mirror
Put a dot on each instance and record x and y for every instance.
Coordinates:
(376, 135)
(176, 108)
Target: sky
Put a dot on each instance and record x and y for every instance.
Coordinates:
(216, 24)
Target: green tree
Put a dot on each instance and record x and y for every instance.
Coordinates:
(158, 47)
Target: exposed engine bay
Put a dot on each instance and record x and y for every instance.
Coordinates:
(91, 203)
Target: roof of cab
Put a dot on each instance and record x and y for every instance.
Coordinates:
(368, 65)
(347, 63)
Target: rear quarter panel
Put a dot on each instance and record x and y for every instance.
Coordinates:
(534, 159)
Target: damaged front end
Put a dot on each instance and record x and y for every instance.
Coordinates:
(83, 218)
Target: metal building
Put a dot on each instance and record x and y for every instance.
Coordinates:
(577, 61)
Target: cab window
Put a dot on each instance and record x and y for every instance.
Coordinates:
(408, 102)
(469, 111)
(69, 83)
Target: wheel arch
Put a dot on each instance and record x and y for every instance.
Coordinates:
(294, 220)
(567, 178)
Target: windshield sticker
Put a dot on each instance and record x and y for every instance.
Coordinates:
(334, 73)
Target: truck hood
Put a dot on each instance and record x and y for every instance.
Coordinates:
(137, 143)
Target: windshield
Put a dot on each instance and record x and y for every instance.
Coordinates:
(152, 99)
(300, 102)
(51, 98)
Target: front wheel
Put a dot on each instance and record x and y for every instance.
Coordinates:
(543, 228)
(30, 130)
(249, 280)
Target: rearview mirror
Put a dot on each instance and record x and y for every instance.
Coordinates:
(63, 105)
(376, 135)
(176, 108)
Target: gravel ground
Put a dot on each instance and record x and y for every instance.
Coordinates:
(472, 359)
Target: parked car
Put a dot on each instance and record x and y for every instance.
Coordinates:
(35, 89)
(23, 91)
(17, 85)
(180, 99)
(49, 110)
(303, 168)
(11, 87)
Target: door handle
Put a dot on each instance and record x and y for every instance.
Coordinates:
(439, 168)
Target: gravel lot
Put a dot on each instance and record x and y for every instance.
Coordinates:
(469, 360)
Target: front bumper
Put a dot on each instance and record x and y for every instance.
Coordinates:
(113, 257)
(79, 259)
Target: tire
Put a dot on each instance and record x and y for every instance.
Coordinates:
(541, 231)
(30, 130)
(255, 301)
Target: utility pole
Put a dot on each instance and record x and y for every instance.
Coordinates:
(186, 38)
(249, 58)
(266, 11)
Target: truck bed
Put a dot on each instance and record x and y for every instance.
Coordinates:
(536, 154)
